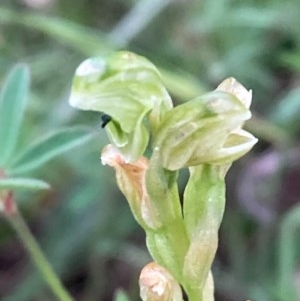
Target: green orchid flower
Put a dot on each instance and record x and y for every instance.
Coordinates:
(206, 129)
(204, 134)
(128, 89)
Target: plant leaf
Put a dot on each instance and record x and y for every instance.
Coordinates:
(23, 183)
(49, 147)
(13, 101)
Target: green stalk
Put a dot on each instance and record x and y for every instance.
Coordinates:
(37, 256)
(194, 295)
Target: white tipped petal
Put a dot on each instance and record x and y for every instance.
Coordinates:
(231, 85)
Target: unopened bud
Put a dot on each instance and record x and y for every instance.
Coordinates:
(157, 284)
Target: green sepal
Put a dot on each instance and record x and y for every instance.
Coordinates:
(204, 130)
(128, 88)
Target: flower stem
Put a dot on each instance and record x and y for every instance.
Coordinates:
(17, 222)
(194, 296)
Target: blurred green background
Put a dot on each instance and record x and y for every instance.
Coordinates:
(84, 224)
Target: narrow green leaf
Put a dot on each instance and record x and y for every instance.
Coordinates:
(49, 147)
(23, 183)
(13, 100)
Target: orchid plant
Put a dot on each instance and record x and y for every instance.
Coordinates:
(204, 135)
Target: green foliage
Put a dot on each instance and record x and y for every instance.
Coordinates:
(12, 107)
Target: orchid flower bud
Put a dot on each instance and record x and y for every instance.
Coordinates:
(157, 284)
(127, 88)
(205, 130)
